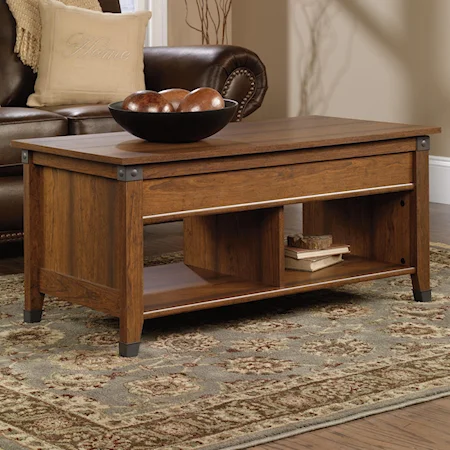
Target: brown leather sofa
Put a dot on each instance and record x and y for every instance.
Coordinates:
(236, 72)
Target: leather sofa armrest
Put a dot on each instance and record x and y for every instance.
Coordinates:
(237, 73)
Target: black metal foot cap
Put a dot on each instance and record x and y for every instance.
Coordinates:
(129, 350)
(422, 296)
(32, 316)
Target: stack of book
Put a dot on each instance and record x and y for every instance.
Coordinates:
(312, 260)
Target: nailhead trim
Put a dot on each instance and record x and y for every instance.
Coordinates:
(251, 91)
(6, 237)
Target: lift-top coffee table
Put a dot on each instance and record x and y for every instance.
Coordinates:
(88, 197)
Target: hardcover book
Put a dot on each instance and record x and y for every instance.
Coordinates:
(312, 264)
(300, 253)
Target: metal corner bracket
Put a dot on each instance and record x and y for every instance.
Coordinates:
(129, 173)
(24, 157)
(423, 143)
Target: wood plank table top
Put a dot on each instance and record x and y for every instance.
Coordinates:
(235, 139)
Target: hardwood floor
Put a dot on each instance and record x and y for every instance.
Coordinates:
(422, 427)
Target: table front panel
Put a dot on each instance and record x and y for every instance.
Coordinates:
(215, 190)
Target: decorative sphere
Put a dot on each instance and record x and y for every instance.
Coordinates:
(174, 96)
(201, 99)
(147, 101)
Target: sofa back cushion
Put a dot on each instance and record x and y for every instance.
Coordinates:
(17, 80)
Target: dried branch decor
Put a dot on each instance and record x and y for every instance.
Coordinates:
(213, 15)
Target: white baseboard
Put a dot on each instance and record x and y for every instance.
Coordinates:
(440, 180)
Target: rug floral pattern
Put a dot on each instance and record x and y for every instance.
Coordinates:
(212, 379)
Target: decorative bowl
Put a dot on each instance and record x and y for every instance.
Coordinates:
(175, 126)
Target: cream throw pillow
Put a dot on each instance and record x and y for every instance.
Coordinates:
(87, 56)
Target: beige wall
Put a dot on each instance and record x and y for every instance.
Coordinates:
(376, 59)
(260, 25)
(179, 32)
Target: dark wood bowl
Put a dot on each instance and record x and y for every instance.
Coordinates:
(176, 126)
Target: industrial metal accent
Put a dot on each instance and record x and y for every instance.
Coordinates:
(422, 296)
(423, 143)
(126, 173)
(129, 350)
(25, 159)
(32, 316)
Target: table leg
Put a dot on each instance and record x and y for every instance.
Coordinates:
(420, 222)
(34, 299)
(130, 258)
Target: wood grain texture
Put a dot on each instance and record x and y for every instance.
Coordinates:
(172, 217)
(281, 158)
(33, 228)
(421, 427)
(375, 227)
(349, 221)
(391, 215)
(420, 223)
(73, 165)
(177, 288)
(284, 183)
(235, 139)
(95, 296)
(81, 226)
(129, 255)
(248, 245)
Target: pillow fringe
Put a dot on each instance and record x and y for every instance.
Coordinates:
(28, 27)
(27, 48)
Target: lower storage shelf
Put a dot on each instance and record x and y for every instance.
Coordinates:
(176, 288)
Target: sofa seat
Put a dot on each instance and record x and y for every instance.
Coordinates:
(24, 123)
(87, 119)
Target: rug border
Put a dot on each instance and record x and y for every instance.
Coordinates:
(334, 422)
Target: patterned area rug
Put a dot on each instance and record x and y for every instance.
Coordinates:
(225, 378)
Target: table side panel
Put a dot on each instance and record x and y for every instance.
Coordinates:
(80, 226)
(201, 192)
(101, 298)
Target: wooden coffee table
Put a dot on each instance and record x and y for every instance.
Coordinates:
(88, 197)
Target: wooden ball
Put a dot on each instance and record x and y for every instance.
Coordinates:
(201, 99)
(174, 96)
(147, 101)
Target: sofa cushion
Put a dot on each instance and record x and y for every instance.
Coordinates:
(24, 123)
(87, 119)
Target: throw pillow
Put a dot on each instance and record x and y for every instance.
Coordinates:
(87, 56)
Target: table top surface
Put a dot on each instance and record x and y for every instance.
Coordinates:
(235, 139)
